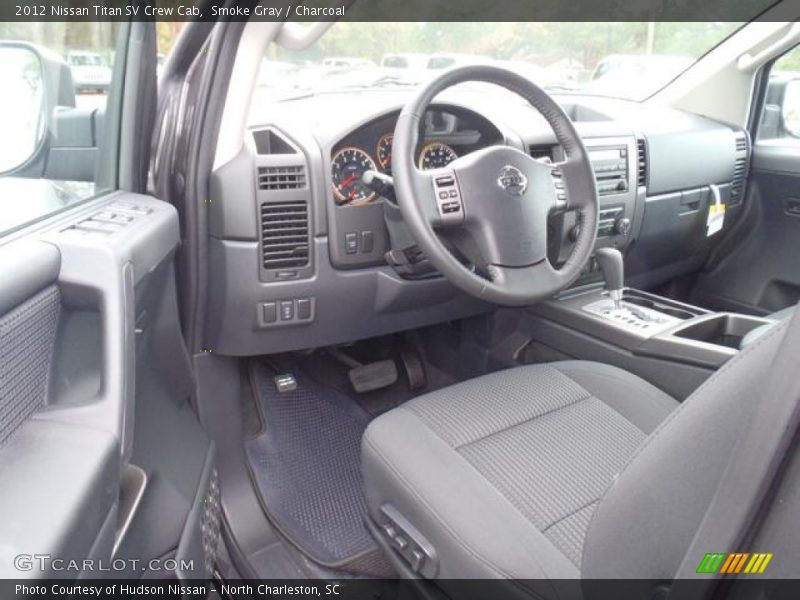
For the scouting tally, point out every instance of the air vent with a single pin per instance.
(741, 142)
(538, 152)
(281, 178)
(641, 164)
(739, 169)
(284, 234)
(739, 176)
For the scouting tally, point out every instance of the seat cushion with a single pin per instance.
(501, 474)
(784, 313)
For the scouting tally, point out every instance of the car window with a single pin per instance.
(780, 116)
(54, 115)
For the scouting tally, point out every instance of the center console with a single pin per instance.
(674, 345)
(618, 169)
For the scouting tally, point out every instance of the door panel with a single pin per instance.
(40, 455)
(761, 274)
(67, 362)
(101, 451)
(29, 307)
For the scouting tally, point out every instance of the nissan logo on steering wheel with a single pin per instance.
(512, 181)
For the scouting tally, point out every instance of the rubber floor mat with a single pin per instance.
(306, 464)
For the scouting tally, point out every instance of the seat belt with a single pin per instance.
(751, 470)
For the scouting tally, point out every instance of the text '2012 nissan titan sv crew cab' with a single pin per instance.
(382, 302)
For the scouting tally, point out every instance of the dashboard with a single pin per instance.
(449, 132)
(303, 255)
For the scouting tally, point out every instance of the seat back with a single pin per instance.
(648, 517)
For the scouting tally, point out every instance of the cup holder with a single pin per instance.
(722, 329)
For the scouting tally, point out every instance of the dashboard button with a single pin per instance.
(270, 312)
(351, 243)
(304, 308)
(287, 310)
(367, 242)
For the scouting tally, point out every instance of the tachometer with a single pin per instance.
(384, 151)
(435, 156)
(348, 165)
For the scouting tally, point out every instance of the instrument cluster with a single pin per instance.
(446, 137)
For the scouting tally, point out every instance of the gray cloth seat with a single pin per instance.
(551, 472)
(756, 333)
(782, 314)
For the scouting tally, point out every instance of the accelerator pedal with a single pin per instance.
(415, 369)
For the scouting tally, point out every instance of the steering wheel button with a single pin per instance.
(448, 198)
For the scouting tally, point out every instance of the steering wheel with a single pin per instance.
(491, 206)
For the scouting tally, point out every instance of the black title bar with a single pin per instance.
(388, 10)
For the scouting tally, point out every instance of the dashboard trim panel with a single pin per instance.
(356, 294)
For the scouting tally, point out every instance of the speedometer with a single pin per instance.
(347, 167)
(436, 156)
(384, 151)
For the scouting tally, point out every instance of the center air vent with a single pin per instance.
(281, 178)
(284, 234)
(641, 162)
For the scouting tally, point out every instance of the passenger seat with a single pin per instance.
(780, 315)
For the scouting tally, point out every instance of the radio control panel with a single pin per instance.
(611, 169)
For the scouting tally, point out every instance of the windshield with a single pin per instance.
(629, 60)
(85, 60)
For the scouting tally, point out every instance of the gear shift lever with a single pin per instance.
(610, 263)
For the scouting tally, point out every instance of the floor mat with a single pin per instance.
(306, 465)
